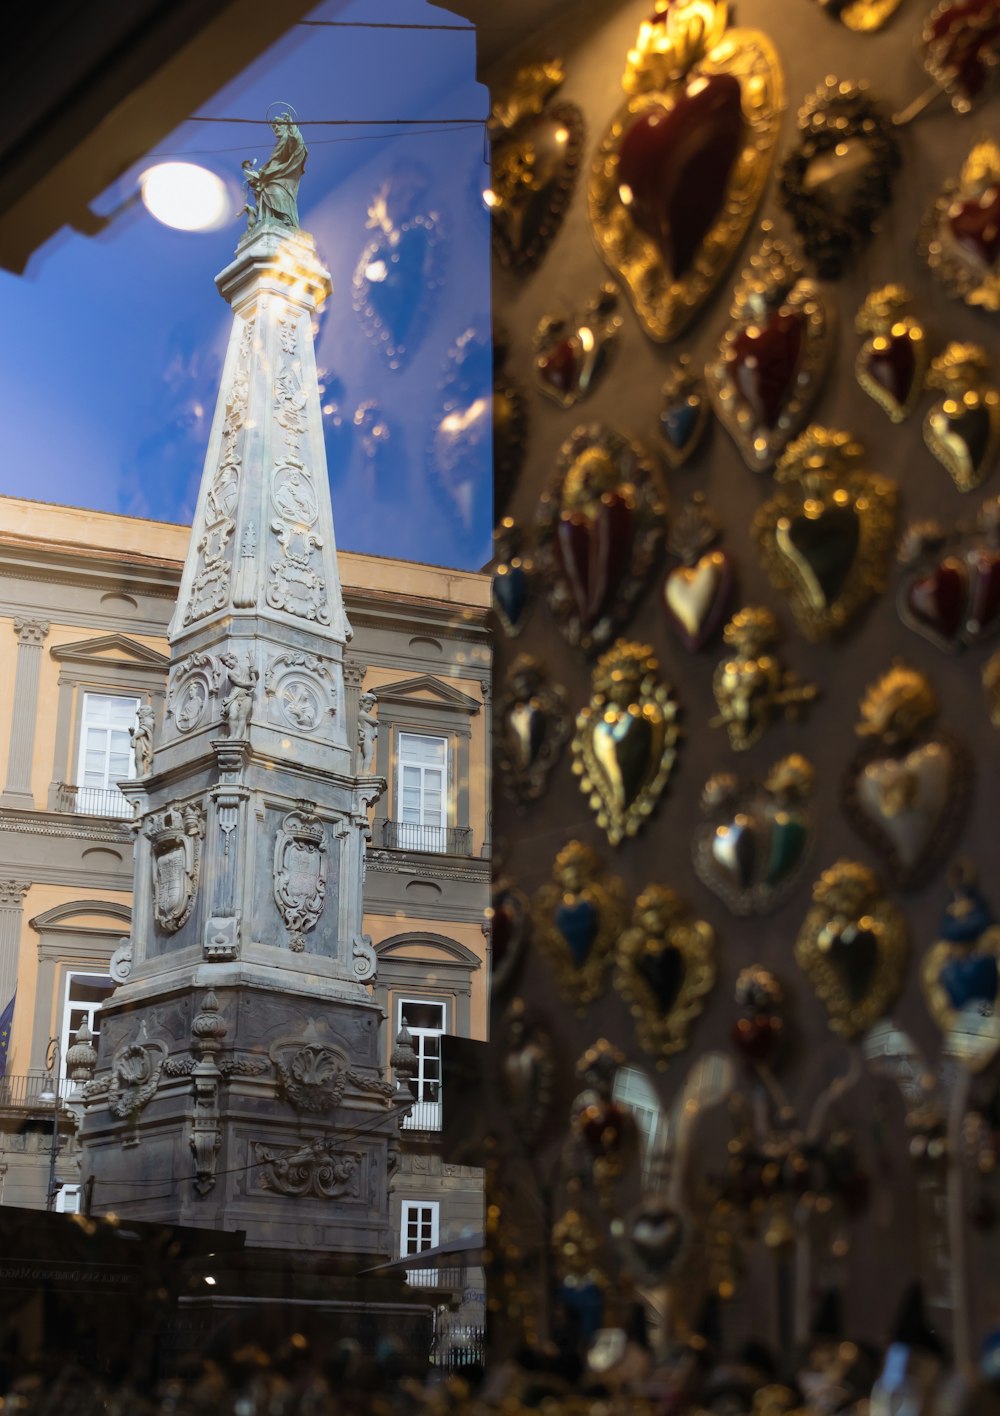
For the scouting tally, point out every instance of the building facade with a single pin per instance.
(86, 599)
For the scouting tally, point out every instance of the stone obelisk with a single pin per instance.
(239, 1082)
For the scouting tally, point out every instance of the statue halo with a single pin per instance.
(282, 109)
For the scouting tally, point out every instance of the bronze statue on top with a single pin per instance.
(272, 190)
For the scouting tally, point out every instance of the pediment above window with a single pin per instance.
(114, 650)
(425, 689)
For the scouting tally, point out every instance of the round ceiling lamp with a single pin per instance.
(185, 196)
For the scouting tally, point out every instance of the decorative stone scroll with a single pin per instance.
(294, 584)
(194, 686)
(210, 588)
(300, 690)
(312, 1075)
(175, 837)
(120, 966)
(300, 866)
(317, 1168)
(365, 958)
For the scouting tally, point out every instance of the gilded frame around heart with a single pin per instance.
(577, 875)
(661, 920)
(820, 471)
(678, 44)
(849, 893)
(626, 679)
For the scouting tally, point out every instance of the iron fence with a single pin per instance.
(437, 840)
(94, 801)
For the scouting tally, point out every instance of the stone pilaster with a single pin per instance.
(30, 638)
(487, 690)
(354, 677)
(12, 893)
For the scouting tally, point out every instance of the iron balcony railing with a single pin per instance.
(26, 1092)
(438, 1277)
(440, 840)
(423, 1116)
(94, 801)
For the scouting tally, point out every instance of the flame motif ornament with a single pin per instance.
(665, 967)
(751, 686)
(571, 354)
(962, 430)
(684, 412)
(773, 356)
(960, 973)
(758, 1030)
(754, 847)
(512, 574)
(534, 727)
(838, 178)
(536, 155)
(960, 235)
(626, 739)
(852, 947)
(826, 537)
(401, 269)
(862, 16)
(599, 527)
(577, 919)
(952, 595)
(680, 171)
(892, 363)
(907, 792)
(697, 592)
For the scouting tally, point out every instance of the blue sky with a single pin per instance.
(115, 344)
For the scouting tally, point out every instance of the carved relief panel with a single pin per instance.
(301, 692)
(192, 692)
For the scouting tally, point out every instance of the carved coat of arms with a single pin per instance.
(300, 865)
(175, 841)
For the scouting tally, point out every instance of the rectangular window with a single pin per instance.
(418, 1230)
(422, 792)
(68, 1199)
(426, 1022)
(84, 995)
(105, 754)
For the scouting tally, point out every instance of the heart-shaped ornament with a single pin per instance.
(511, 582)
(696, 593)
(907, 793)
(960, 40)
(838, 177)
(960, 974)
(679, 172)
(772, 356)
(600, 527)
(756, 841)
(665, 967)
(952, 594)
(578, 917)
(400, 270)
(536, 148)
(960, 235)
(571, 355)
(460, 446)
(962, 430)
(826, 537)
(534, 725)
(684, 412)
(656, 1238)
(892, 362)
(626, 739)
(852, 947)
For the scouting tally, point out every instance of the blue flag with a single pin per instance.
(6, 1023)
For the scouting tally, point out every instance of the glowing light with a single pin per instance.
(490, 197)
(210, 1280)
(185, 196)
(562, 135)
(376, 271)
(625, 194)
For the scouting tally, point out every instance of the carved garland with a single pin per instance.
(135, 1075)
(294, 584)
(210, 588)
(314, 1079)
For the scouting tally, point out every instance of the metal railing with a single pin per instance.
(437, 1277)
(423, 1116)
(439, 840)
(94, 801)
(458, 1345)
(26, 1092)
